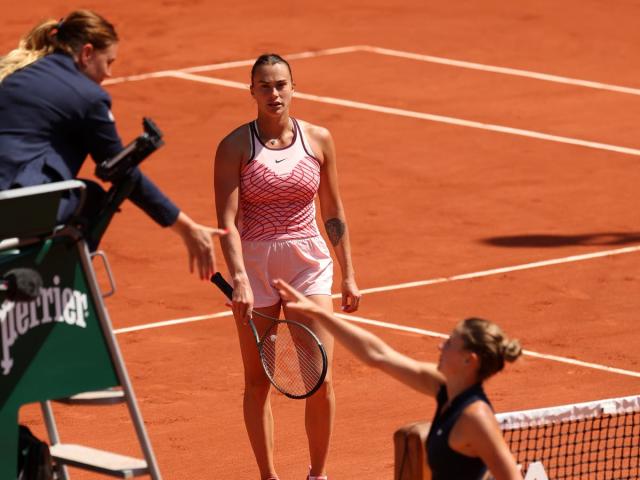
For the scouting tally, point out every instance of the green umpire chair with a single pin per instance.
(58, 345)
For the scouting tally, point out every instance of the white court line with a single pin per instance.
(226, 65)
(168, 323)
(485, 273)
(418, 115)
(210, 80)
(513, 268)
(293, 56)
(134, 78)
(429, 333)
(185, 74)
(504, 70)
(421, 283)
(395, 53)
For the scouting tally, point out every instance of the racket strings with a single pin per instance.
(292, 358)
(294, 361)
(295, 379)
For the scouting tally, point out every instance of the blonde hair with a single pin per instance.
(67, 35)
(488, 341)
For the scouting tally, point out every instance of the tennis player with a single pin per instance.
(465, 439)
(54, 113)
(267, 175)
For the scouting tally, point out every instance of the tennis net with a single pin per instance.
(597, 440)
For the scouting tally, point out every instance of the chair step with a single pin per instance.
(99, 397)
(99, 461)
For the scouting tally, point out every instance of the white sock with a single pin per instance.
(320, 477)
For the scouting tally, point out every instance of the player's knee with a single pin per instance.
(325, 391)
(327, 387)
(256, 387)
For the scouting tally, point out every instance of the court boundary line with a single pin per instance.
(419, 115)
(512, 268)
(531, 353)
(431, 333)
(517, 72)
(170, 323)
(189, 74)
(231, 64)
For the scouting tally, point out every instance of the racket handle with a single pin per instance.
(222, 284)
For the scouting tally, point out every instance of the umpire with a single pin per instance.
(54, 113)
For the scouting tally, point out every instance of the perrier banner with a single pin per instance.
(52, 346)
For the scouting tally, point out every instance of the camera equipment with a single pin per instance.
(21, 284)
(120, 166)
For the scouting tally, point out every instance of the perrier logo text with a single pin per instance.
(54, 304)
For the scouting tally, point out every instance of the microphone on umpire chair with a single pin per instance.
(21, 284)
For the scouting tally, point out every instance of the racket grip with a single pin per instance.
(222, 284)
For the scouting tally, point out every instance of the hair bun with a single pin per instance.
(511, 350)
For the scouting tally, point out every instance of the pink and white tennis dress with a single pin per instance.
(280, 237)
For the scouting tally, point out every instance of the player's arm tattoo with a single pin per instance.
(335, 230)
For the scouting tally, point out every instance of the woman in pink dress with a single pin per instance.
(267, 175)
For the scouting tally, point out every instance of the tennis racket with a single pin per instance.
(292, 356)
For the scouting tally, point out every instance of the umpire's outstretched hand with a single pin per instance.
(198, 240)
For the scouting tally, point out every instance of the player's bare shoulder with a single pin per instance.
(478, 416)
(320, 139)
(315, 133)
(235, 146)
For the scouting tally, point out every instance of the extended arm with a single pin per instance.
(197, 240)
(104, 141)
(370, 349)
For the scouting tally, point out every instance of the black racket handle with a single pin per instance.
(222, 284)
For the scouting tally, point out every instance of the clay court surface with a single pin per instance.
(426, 198)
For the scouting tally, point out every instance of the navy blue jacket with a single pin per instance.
(52, 117)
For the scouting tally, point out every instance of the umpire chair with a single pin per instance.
(59, 346)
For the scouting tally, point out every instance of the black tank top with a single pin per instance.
(445, 463)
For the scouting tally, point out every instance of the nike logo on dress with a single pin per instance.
(281, 160)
